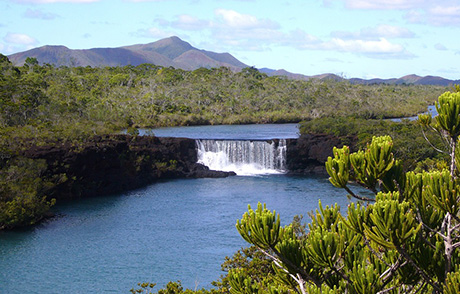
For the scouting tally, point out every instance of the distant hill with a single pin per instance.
(409, 79)
(166, 52)
(177, 53)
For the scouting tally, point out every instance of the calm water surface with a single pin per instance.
(175, 230)
(234, 132)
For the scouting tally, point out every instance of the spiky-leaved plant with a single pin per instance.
(404, 239)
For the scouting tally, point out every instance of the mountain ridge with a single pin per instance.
(177, 53)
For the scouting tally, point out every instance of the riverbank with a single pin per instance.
(111, 164)
(308, 154)
(115, 163)
(35, 176)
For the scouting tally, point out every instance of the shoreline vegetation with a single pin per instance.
(55, 120)
(47, 106)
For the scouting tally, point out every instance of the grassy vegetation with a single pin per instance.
(410, 145)
(42, 101)
(45, 105)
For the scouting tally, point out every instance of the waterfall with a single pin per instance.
(243, 157)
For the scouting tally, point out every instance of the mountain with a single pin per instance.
(409, 79)
(177, 53)
(166, 52)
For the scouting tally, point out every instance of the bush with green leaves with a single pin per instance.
(22, 188)
(404, 239)
(410, 145)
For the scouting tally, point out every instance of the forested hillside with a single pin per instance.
(68, 101)
(43, 105)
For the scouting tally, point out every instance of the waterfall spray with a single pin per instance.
(243, 157)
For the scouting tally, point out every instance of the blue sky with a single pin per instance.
(351, 38)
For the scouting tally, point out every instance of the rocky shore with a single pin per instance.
(116, 163)
(308, 154)
(112, 164)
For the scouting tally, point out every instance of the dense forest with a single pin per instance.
(47, 105)
(43, 101)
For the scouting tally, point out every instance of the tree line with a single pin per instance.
(47, 101)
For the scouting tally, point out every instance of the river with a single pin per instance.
(171, 230)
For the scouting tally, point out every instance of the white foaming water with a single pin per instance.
(245, 158)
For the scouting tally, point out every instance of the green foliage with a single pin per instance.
(144, 288)
(410, 146)
(452, 285)
(100, 100)
(240, 283)
(260, 227)
(339, 166)
(171, 288)
(393, 222)
(448, 108)
(379, 247)
(22, 187)
(256, 266)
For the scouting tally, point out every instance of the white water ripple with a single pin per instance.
(245, 158)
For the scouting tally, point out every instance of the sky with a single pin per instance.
(350, 38)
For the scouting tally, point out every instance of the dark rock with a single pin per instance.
(201, 171)
(112, 164)
(308, 154)
(116, 163)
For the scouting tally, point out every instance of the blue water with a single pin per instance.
(430, 110)
(174, 230)
(234, 132)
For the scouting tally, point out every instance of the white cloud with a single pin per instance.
(241, 31)
(154, 32)
(384, 4)
(245, 32)
(388, 31)
(233, 19)
(7, 49)
(444, 15)
(355, 43)
(375, 33)
(17, 42)
(362, 46)
(447, 11)
(36, 13)
(143, 0)
(433, 12)
(300, 40)
(380, 48)
(53, 1)
(188, 22)
(21, 39)
(436, 15)
(440, 47)
(258, 39)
